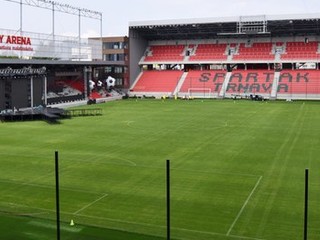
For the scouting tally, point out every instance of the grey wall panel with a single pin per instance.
(37, 91)
(2, 99)
(138, 46)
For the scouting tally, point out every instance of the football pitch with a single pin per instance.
(237, 172)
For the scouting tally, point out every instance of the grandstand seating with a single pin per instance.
(251, 82)
(298, 84)
(95, 95)
(255, 51)
(158, 81)
(209, 52)
(203, 82)
(301, 82)
(301, 50)
(76, 84)
(165, 53)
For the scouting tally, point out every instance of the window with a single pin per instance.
(119, 81)
(108, 69)
(115, 45)
(115, 57)
(118, 70)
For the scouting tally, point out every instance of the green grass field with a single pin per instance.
(237, 172)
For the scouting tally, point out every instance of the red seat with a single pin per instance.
(165, 53)
(251, 81)
(158, 81)
(257, 51)
(210, 52)
(301, 50)
(299, 82)
(203, 80)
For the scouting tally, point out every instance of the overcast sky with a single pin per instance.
(117, 14)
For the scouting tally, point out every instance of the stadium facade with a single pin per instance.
(274, 56)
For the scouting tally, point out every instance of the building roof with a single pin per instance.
(14, 61)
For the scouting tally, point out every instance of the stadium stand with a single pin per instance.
(157, 81)
(76, 84)
(165, 53)
(272, 58)
(95, 95)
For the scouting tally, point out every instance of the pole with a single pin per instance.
(45, 90)
(306, 205)
(53, 20)
(57, 194)
(21, 6)
(79, 32)
(31, 91)
(168, 199)
(101, 26)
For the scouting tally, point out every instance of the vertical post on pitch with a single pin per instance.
(57, 194)
(168, 199)
(306, 193)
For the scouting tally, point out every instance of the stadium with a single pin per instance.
(215, 138)
(273, 56)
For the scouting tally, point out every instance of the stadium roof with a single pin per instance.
(222, 27)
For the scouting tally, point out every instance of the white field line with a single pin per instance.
(200, 171)
(243, 207)
(90, 204)
(173, 228)
(142, 224)
(47, 186)
(100, 161)
(215, 172)
(241, 237)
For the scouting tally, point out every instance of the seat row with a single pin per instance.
(233, 51)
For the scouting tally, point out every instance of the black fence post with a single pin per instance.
(57, 194)
(306, 193)
(168, 199)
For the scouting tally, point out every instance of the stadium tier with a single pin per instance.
(292, 84)
(233, 52)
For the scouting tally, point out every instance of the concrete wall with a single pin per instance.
(137, 46)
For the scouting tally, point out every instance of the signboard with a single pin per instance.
(29, 45)
(13, 42)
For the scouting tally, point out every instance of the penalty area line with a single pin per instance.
(90, 204)
(243, 206)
